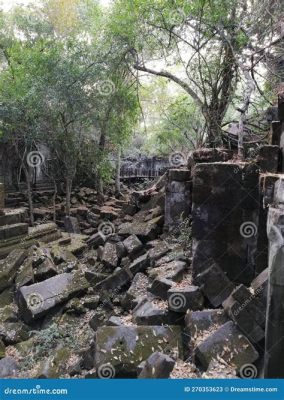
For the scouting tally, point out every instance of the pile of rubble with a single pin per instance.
(119, 297)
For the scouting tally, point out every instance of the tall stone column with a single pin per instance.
(274, 343)
(178, 198)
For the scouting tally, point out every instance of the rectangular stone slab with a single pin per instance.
(36, 300)
(9, 231)
(123, 348)
(229, 344)
(9, 267)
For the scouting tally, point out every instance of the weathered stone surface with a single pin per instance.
(238, 312)
(229, 344)
(177, 200)
(2, 349)
(185, 298)
(124, 348)
(248, 300)
(71, 225)
(137, 290)
(215, 285)
(12, 217)
(8, 368)
(160, 287)
(179, 175)
(54, 365)
(96, 240)
(225, 218)
(144, 230)
(158, 365)
(9, 231)
(124, 275)
(260, 286)
(13, 332)
(149, 313)
(115, 321)
(206, 155)
(173, 270)
(133, 245)
(25, 274)
(9, 267)
(196, 322)
(110, 257)
(268, 158)
(36, 300)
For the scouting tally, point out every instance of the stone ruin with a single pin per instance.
(121, 290)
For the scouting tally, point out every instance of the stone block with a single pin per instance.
(215, 285)
(120, 350)
(9, 268)
(37, 300)
(185, 298)
(229, 344)
(158, 365)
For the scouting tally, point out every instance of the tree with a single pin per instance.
(203, 45)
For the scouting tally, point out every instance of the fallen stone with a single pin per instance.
(121, 277)
(9, 267)
(96, 240)
(8, 368)
(114, 321)
(119, 350)
(173, 270)
(13, 332)
(133, 245)
(2, 349)
(229, 344)
(137, 290)
(215, 285)
(244, 320)
(145, 231)
(149, 313)
(197, 322)
(110, 256)
(160, 287)
(36, 300)
(71, 225)
(185, 298)
(25, 274)
(251, 303)
(9, 231)
(158, 365)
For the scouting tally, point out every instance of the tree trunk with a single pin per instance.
(29, 193)
(54, 200)
(68, 195)
(117, 176)
(250, 86)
